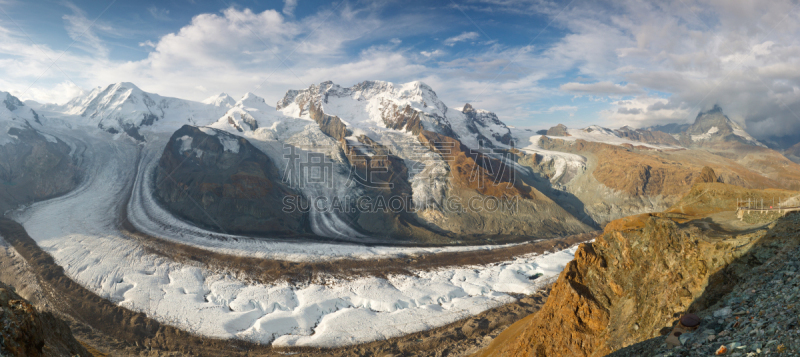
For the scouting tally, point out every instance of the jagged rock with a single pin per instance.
(647, 136)
(714, 126)
(643, 270)
(706, 176)
(34, 167)
(558, 130)
(26, 332)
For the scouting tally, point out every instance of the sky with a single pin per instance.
(535, 63)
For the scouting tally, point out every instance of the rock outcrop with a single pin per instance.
(558, 130)
(793, 153)
(635, 278)
(34, 167)
(707, 175)
(26, 332)
(647, 136)
(207, 173)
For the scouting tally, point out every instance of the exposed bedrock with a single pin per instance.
(641, 272)
(35, 167)
(618, 181)
(477, 181)
(27, 332)
(222, 182)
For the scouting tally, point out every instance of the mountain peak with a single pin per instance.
(119, 86)
(250, 97)
(713, 117)
(220, 100)
(713, 124)
(715, 109)
(467, 108)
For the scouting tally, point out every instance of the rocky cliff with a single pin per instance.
(209, 173)
(641, 273)
(34, 166)
(793, 153)
(26, 332)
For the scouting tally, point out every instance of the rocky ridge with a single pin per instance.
(643, 272)
(758, 318)
(27, 332)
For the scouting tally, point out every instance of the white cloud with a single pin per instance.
(82, 31)
(158, 13)
(466, 36)
(434, 53)
(644, 111)
(688, 55)
(601, 88)
(289, 6)
(60, 93)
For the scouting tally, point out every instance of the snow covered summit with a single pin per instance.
(220, 100)
(15, 114)
(714, 125)
(123, 106)
(409, 107)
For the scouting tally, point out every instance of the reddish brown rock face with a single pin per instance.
(26, 332)
(473, 170)
(641, 271)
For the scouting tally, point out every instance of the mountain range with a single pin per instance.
(412, 148)
(385, 141)
(366, 207)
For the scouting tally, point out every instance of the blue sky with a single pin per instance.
(534, 62)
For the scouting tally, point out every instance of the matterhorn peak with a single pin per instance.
(713, 124)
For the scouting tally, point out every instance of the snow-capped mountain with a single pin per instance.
(622, 136)
(220, 100)
(123, 106)
(248, 114)
(15, 114)
(14, 109)
(714, 125)
(409, 107)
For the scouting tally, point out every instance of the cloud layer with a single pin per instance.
(609, 62)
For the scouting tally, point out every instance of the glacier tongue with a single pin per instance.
(80, 231)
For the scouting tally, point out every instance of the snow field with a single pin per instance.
(80, 231)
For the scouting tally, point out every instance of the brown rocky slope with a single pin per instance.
(639, 274)
(24, 331)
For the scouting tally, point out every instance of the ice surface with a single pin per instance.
(599, 134)
(80, 231)
(706, 135)
(566, 164)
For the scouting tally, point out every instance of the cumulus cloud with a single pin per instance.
(466, 36)
(667, 60)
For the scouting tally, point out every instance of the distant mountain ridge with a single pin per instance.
(583, 177)
(123, 107)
